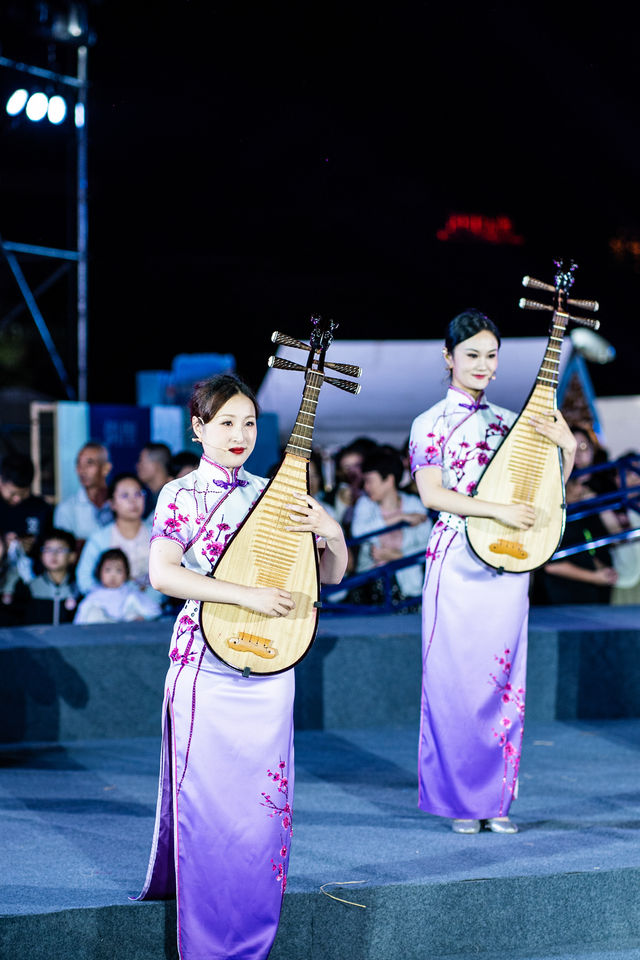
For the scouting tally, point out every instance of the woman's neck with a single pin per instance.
(128, 528)
(466, 392)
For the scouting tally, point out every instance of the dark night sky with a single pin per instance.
(253, 164)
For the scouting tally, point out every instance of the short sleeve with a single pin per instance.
(426, 440)
(174, 516)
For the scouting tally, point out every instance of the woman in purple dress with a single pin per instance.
(223, 820)
(474, 620)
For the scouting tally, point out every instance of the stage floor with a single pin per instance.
(77, 818)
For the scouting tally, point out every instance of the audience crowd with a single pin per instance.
(86, 559)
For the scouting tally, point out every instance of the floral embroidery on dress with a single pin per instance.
(174, 524)
(201, 515)
(281, 808)
(514, 699)
(458, 436)
(465, 454)
(185, 625)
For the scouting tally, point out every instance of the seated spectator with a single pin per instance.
(183, 463)
(587, 576)
(153, 472)
(316, 482)
(23, 515)
(626, 554)
(88, 509)
(348, 479)
(128, 532)
(9, 578)
(52, 596)
(117, 599)
(383, 505)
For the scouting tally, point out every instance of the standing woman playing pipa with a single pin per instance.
(223, 820)
(474, 619)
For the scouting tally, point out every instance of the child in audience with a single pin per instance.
(117, 598)
(53, 595)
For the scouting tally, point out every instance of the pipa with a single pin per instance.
(527, 467)
(263, 553)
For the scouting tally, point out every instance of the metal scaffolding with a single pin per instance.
(10, 250)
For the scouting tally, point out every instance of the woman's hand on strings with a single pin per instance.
(309, 516)
(554, 426)
(518, 515)
(270, 601)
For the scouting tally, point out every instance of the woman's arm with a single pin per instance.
(602, 576)
(169, 576)
(436, 497)
(311, 516)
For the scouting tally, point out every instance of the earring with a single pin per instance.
(493, 377)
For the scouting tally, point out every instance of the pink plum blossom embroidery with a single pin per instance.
(513, 699)
(174, 524)
(185, 626)
(280, 807)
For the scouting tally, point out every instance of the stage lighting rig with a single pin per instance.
(37, 106)
(64, 23)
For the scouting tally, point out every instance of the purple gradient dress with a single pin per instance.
(223, 820)
(474, 631)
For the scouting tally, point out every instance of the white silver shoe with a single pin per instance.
(465, 826)
(501, 825)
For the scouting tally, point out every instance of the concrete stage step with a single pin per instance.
(77, 822)
(69, 683)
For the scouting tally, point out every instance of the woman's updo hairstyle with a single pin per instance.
(211, 394)
(466, 325)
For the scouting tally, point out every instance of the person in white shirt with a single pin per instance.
(88, 509)
(383, 505)
(128, 531)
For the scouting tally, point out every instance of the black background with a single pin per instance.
(253, 164)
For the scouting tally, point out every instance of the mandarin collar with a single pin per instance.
(226, 478)
(457, 398)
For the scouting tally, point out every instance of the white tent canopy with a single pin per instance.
(400, 379)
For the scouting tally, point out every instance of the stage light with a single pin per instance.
(37, 105)
(57, 109)
(16, 102)
(79, 115)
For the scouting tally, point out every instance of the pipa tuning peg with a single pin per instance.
(525, 304)
(347, 385)
(287, 341)
(586, 322)
(279, 363)
(592, 305)
(349, 369)
(537, 284)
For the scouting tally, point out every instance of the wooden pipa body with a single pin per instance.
(527, 467)
(263, 553)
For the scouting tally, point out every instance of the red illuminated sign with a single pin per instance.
(473, 226)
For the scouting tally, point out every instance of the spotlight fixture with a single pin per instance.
(17, 102)
(57, 109)
(36, 108)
